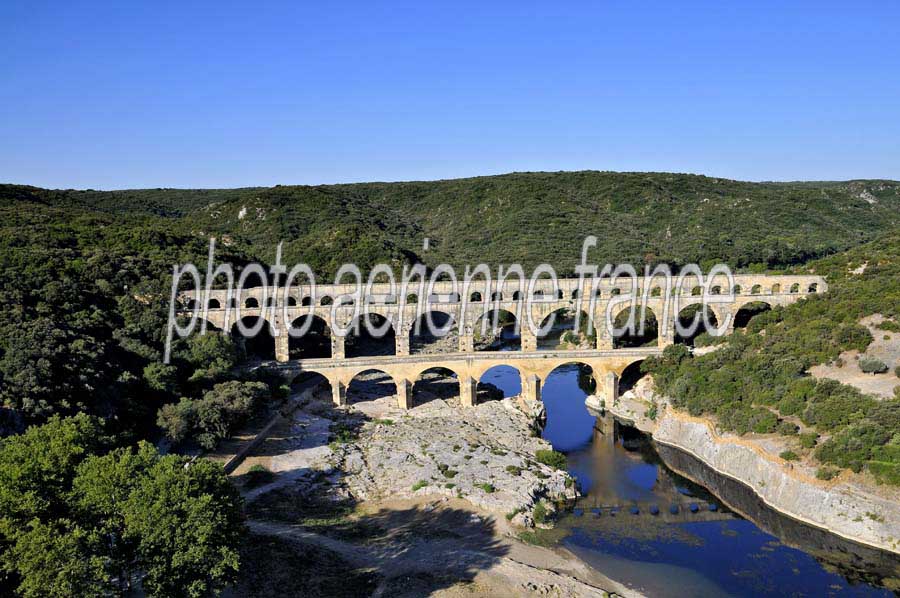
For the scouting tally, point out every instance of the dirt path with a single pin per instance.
(484, 560)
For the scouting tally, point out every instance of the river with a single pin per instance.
(710, 552)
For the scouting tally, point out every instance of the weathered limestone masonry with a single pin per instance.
(338, 305)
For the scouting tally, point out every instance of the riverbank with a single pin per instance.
(431, 500)
(845, 506)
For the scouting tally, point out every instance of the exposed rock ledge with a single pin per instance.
(841, 507)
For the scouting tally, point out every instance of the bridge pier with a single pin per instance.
(283, 346)
(528, 338)
(604, 339)
(608, 387)
(339, 393)
(468, 391)
(337, 346)
(401, 342)
(531, 387)
(404, 393)
(466, 342)
(666, 337)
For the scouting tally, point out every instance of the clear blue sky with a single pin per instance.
(220, 94)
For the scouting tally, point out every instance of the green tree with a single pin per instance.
(187, 523)
(56, 559)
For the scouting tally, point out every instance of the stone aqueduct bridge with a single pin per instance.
(338, 305)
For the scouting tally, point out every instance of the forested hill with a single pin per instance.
(523, 217)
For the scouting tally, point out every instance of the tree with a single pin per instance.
(37, 467)
(78, 519)
(870, 365)
(56, 559)
(188, 523)
(100, 491)
(214, 416)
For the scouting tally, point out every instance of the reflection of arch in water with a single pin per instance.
(496, 330)
(569, 425)
(748, 312)
(314, 343)
(503, 378)
(370, 335)
(434, 331)
(370, 385)
(434, 383)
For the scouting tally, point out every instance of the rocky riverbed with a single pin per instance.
(430, 500)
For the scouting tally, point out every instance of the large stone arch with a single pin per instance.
(442, 337)
(198, 326)
(369, 385)
(315, 343)
(686, 316)
(495, 330)
(748, 311)
(565, 323)
(487, 381)
(365, 338)
(311, 379)
(587, 380)
(434, 382)
(261, 345)
(629, 376)
(644, 330)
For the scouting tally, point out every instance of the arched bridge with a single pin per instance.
(338, 306)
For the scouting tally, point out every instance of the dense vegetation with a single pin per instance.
(757, 381)
(85, 281)
(84, 510)
(79, 517)
(526, 218)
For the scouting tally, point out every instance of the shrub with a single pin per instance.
(540, 512)
(885, 473)
(808, 439)
(513, 513)
(487, 487)
(870, 365)
(827, 473)
(889, 325)
(786, 428)
(213, 417)
(705, 339)
(419, 485)
(789, 455)
(513, 469)
(446, 471)
(897, 371)
(551, 458)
